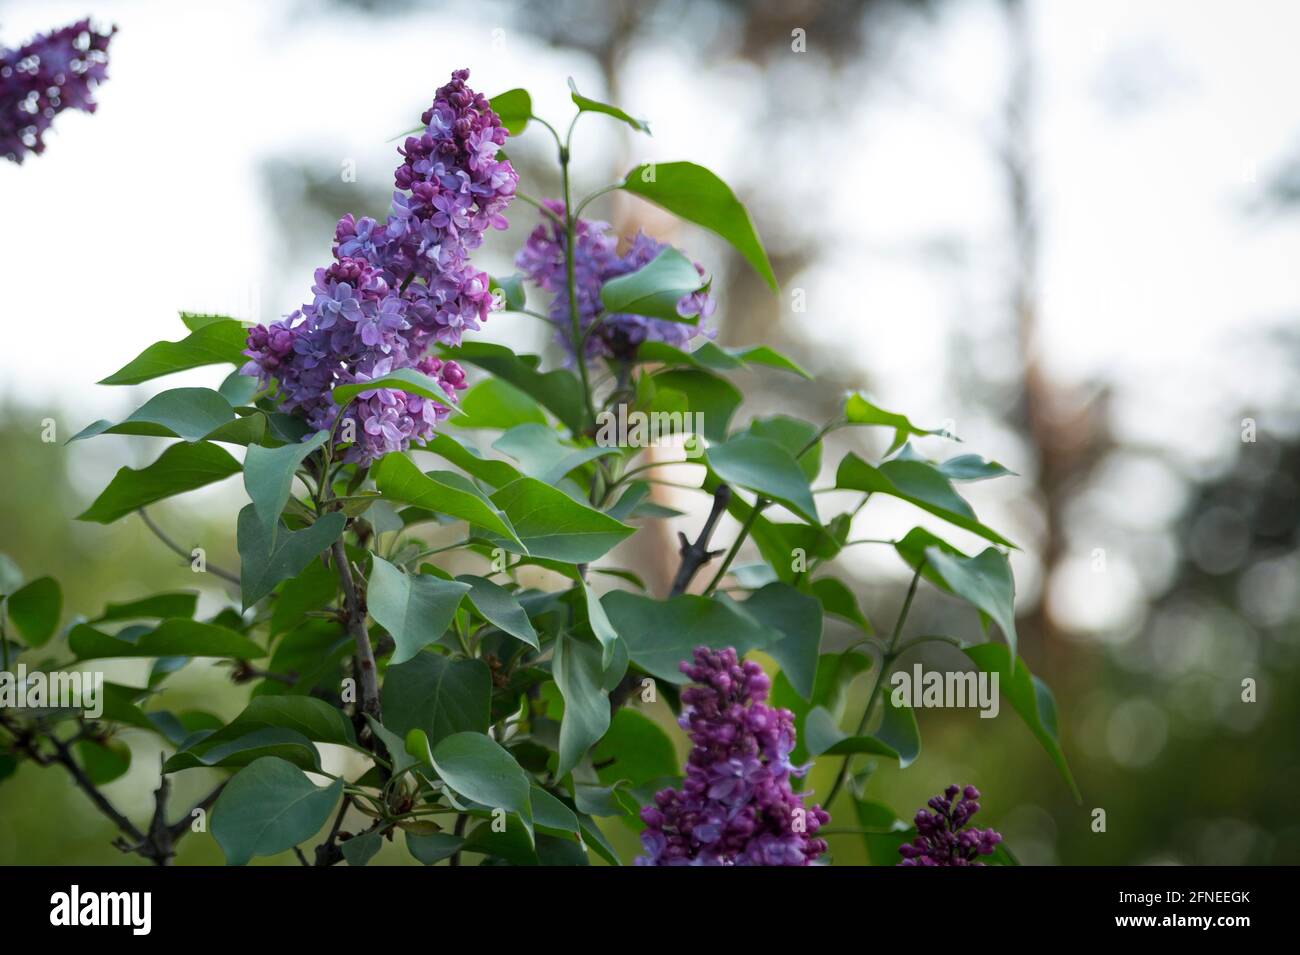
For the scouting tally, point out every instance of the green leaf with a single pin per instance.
(493, 403)
(219, 341)
(312, 589)
(578, 673)
(103, 762)
(415, 609)
(469, 460)
(983, 580)
(711, 357)
(180, 468)
(838, 600)
(266, 558)
(511, 287)
(1030, 697)
(157, 606)
(408, 380)
(587, 105)
(398, 478)
(314, 719)
(798, 618)
(361, 849)
(768, 469)
(439, 696)
(542, 454)
(697, 392)
(238, 389)
(550, 813)
(514, 108)
(178, 637)
(188, 413)
(964, 467)
(636, 749)
(655, 288)
(553, 525)
(796, 436)
(480, 770)
(269, 473)
(898, 730)
(660, 634)
(499, 607)
(835, 674)
(697, 195)
(858, 410)
(884, 832)
(823, 737)
(240, 750)
(769, 357)
(559, 391)
(433, 847)
(35, 608)
(268, 807)
(918, 484)
(600, 624)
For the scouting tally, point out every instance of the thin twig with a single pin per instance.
(886, 662)
(182, 552)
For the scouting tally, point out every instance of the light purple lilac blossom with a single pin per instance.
(397, 287)
(942, 837)
(52, 72)
(595, 261)
(736, 806)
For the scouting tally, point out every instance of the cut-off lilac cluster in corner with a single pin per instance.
(736, 805)
(942, 836)
(397, 287)
(596, 260)
(40, 79)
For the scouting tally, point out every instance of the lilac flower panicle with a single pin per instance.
(397, 287)
(595, 261)
(736, 805)
(942, 835)
(50, 73)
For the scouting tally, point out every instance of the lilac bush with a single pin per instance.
(50, 73)
(489, 713)
(736, 806)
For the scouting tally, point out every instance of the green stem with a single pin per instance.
(886, 663)
(735, 547)
(570, 240)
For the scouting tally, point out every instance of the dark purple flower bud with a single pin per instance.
(941, 836)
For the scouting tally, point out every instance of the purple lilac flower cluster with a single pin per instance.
(397, 287)
(735, 806)
(53, 72)
(942, 838)
(595, 261)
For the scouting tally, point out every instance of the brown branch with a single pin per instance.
(158, 844)
(693, 557)
(696, 555)
(356, 624)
